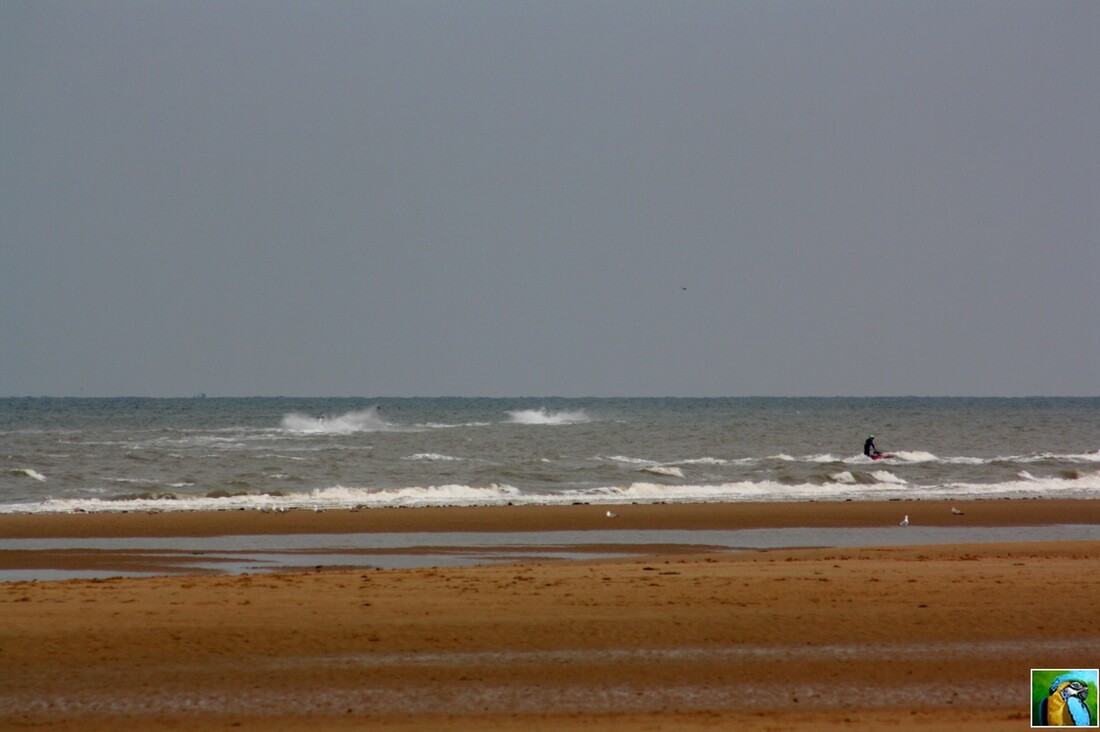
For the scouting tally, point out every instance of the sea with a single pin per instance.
(64, 455)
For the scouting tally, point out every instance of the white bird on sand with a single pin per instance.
(957, 512)
(612, 514)
(904, 521)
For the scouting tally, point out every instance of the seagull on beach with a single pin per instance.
(612, 514)
(904, 521)
(956, 512)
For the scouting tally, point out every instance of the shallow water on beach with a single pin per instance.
(63, 455)
(409, 550)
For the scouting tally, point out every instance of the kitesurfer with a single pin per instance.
(869, 448)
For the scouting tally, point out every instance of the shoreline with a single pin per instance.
(575, 517)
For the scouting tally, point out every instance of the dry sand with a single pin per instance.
(936, 637)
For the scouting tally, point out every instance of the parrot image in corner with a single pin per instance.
(1065, 707)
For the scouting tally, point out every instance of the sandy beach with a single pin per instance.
(925, 637)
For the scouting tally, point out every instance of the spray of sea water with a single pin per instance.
(366, 420)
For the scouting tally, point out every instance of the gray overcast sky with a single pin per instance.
(508, 198)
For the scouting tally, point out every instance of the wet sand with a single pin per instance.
(934, 637)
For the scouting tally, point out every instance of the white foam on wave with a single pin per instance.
(627, 460)
(212, 442)
(879, 483)
(725, 492)
(842, 486)
(664, 470)
(963, 460)
(1083, 486)
(432, 457)
(885, 476)
(914, 456)
(923, 456)
(901, 456)
(545, 416)
(29, 473)
(436, 495)
(336, 497)
(819, 458)
(366, 420)
(889, 488)
(1084, 457)
(447, 426)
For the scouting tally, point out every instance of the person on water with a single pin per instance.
(869, 448)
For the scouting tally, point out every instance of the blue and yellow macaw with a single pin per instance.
(1065, 707)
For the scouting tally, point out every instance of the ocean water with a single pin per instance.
(126, 454)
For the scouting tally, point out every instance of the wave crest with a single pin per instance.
(367, 420)
(664, 470)
(544, 416)
(841, 486)
(29, 473)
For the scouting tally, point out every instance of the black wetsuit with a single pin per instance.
(869, 447)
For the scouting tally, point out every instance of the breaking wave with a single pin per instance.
(545, 416)
(627, 460)
(880, 485)
(664, 470)
(367, 420)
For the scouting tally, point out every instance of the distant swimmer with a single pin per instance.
(869, 448)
